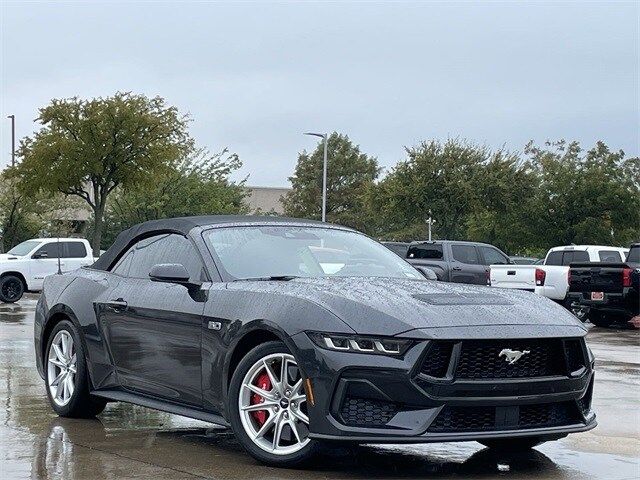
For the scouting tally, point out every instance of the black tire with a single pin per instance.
(81, 404)
(601, 320)
(11, 289)
(512, 444)
(259, 352)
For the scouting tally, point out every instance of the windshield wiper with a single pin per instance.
(280, 278)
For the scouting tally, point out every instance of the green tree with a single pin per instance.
(88, 148)
(350, 174)
(435, 176)
(198, 185)
(505, 190)
(24, 216)
(585, 197)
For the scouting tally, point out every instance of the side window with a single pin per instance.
(465, 254)
(50, 250)
(168, 248)
(123, 265)
(493, 256)
(73, 250)
(554, 258)
(611, 256)
(427, 251)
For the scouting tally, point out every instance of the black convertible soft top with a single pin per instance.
(181, 225)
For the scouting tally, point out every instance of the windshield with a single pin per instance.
(23, 248)
(634, 255)
(287, 251)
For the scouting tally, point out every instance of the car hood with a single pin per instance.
(388, 306)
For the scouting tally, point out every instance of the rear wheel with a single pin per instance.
(512, 444)
(268, 406)
(66, 374)
(11, 289)
(601, 320)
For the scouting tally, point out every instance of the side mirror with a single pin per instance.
(172, 273)
(427, 273)
(37, 256)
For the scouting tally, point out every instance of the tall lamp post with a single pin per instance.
(13, 139)
(324, 174)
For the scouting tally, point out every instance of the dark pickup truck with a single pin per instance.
(454, 261)
(610, 292)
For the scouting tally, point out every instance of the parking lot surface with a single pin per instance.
(130, 442)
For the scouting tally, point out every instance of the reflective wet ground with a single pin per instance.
(134, 442)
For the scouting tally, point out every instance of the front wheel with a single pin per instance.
(66, 374)
(11, 289)
(512, 444)
(268, 406)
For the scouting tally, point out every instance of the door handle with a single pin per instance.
(117, 305)
(457, 269)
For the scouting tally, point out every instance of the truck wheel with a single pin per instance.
(600, 320)
(11, 289)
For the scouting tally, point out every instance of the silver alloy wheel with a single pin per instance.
(62, 368)
(285, 428)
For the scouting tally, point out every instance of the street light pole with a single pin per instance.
(324, 174)
(430, 222)
(13, 139)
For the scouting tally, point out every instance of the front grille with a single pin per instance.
(488, 359)
(436, 361)
(366, 412)
(463, 419)
(483, 419)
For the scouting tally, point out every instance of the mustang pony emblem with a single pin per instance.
(512, 356)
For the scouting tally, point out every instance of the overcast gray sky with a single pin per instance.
(254, 76)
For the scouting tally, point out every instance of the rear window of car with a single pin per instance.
(554, 258)
(574, 257)
(611, 256)
(634, 255)
(432, 251)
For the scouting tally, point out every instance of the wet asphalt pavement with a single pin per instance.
(134, 442)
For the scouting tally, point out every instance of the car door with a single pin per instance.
(154, 329)
(466, 265)
(44, 262)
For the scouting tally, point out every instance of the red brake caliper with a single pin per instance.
(264, 383)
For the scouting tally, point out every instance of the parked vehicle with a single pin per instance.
(234, 320)
(608, 291)
(458, 262)
(399, 248)
(551, 278)
(24, 267)
(523, 260)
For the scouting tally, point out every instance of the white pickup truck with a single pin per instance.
(23, 268)
(551, 279)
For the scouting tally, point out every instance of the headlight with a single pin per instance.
(358, 344)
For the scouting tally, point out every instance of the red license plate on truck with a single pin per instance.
(597, 296)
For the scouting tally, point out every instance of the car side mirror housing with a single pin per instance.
(427, 272)
(172, 273)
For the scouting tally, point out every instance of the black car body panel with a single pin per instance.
(170, 347)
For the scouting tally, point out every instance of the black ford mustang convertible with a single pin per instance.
(296, 333)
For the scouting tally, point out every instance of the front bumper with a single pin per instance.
(626, 303)
(384, 399)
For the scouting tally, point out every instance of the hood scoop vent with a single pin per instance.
(461, 299)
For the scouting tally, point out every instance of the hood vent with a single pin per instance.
(462, 299)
